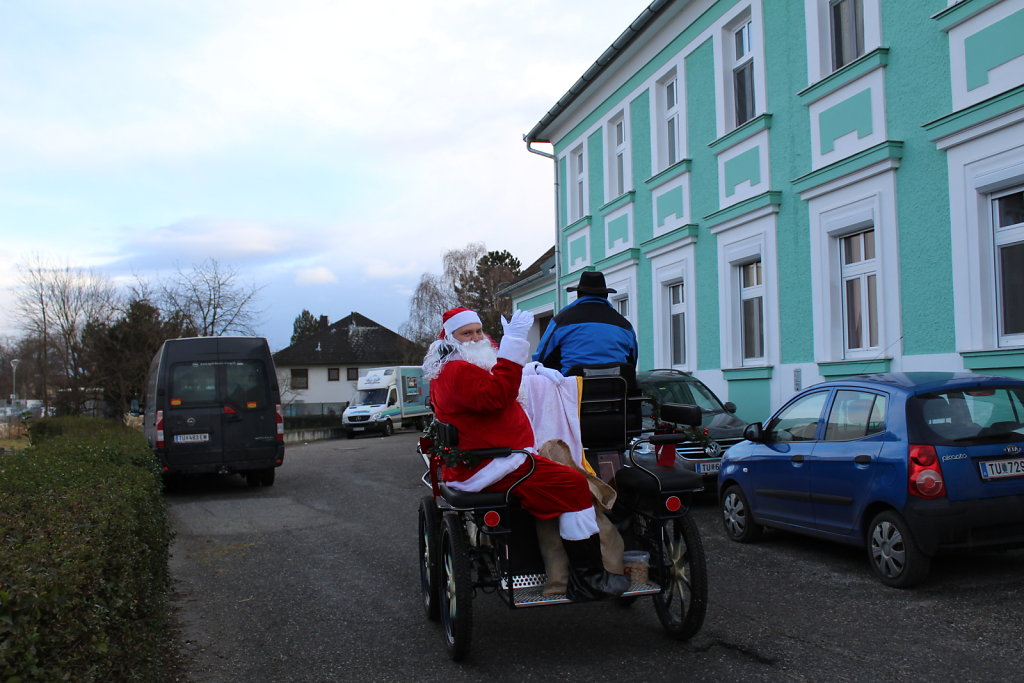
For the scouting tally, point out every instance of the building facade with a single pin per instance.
(786, 191)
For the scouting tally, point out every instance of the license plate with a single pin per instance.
(707, 467)
(358, 429)
(191, 438)
(999, 469)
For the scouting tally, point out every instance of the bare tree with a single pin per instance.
(212, 298)
(436, 294)
(55, 305)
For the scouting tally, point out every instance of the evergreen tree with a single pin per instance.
(305, 326)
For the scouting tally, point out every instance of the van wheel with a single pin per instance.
(267, 476)
(252, 479)
(388, 429)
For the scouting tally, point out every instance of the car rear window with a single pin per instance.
(245, 384)
(193, 384)
(979, 414)
(242, 384)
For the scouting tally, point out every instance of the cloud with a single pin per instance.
(317, 275)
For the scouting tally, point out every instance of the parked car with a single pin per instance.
(907, 465)
(723, 428)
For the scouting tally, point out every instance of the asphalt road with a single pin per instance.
(316, 579)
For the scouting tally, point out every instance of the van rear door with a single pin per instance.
(192, 424)
(249, 415)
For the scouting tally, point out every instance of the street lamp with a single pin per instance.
(14, 380)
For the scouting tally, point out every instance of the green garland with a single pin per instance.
(450, 455)
(698, 435)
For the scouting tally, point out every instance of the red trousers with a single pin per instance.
(550, 490)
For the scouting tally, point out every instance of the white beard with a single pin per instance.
(480, 353)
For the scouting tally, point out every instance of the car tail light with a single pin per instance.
(492, 518)
(925, 473)
(228, 410)
(159, 429)
(279, 418)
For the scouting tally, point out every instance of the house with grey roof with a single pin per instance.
(324, 368)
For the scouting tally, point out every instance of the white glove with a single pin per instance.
(552, 374)
(518, 326)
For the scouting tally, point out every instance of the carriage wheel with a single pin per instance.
(430, 565)
(456, 589)
(683, 599)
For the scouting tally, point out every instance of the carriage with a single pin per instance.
(472, 544)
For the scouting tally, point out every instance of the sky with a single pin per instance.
(328, 151)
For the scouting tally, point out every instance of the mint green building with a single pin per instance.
(786, 191)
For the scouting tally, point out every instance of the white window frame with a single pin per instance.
(577, 185)
(617, 165)
(817, 16)
(622, 278)
(671, 264)
(668, 116)
(838, 209)
(750, 292)
(740, 243)
(676, 306)
(621, 304)
(860, 272)
(741, 37)
(1003, 236)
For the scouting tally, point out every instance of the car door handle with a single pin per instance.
(797, 458)
(862, 459)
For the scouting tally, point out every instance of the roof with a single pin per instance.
(534, 273)
(625, 39)
(355, 339)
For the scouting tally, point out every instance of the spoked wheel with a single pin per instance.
(430, 564)
(683, 576)
(456, 589)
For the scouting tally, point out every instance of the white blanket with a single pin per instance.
(551, 401)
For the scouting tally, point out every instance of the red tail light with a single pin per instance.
(228, 410)
(492, 518)
(279, 418)
(925, 474)
(159, 429)
(672, 503)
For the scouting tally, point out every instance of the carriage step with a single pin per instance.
(528, 591)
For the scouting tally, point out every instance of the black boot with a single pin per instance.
(587, 578)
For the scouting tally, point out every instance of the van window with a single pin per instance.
(246, 384)
(193, 383)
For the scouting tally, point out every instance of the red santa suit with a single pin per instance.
(482, 405)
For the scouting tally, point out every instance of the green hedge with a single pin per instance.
(84, 544)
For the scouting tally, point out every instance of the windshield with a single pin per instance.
(962, 416)
(689, 392)
(371, 396)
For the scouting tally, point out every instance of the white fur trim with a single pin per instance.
(458, 320)
(495, 470)
(514, 349)
(577, 526)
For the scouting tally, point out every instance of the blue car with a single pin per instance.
(907, 465)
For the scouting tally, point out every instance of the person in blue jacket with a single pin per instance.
(589, 331)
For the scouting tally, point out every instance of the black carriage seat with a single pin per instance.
(665, 479)
(610, 406)
(448, 436)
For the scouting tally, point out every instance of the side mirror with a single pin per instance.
(754, 432)
(680, 413)
(730, 407)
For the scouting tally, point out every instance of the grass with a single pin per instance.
(14, 444)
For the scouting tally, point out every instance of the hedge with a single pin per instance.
(84, 547)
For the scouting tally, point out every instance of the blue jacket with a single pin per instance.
(589, 331)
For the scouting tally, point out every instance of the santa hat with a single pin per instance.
(456, 318)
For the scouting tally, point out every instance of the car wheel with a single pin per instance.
(267, 476)
(252, 479)
(388, 429)
(892, 553)
(736, 516)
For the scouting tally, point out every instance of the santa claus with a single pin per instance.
(474, 387)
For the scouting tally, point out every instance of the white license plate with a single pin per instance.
(358, 429)
(191, 438)
(707, 467)
(998, 469)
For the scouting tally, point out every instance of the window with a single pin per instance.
(578, 177)
(846, 24)
(193, 383)
(799, 420)
(669, 121)
(617, 166)
(300, 378)
(622, 306)
(743, 73)
(333, 374)
(859, 273)
(677, 323)
(854, 415)
(752, 311)
(1008, 221)
(352, 374)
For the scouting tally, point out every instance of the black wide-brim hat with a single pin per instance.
(591, 282)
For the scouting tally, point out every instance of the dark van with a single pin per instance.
(213, 405)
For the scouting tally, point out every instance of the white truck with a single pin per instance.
(387, 398)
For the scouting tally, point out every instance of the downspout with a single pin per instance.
(558, 246)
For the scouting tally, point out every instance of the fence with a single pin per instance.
(298, 409)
